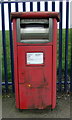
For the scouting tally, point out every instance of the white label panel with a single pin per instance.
(35, 58)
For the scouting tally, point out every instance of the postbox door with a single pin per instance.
(35, 76)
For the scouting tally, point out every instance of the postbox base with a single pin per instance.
(46, 108)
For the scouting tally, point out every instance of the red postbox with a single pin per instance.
(34, 37)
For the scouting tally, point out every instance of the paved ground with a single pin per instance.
(62, 109)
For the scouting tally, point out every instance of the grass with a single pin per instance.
(63, 49)
(63, 53)
(8, 57)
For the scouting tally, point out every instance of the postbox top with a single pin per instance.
(15, 15)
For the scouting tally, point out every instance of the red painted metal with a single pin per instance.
(35, 15)
(35, 84)
(15, 64)
(54, 64)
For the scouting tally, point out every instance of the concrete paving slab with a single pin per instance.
(62, 109)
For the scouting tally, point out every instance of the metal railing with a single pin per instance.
(61, 81)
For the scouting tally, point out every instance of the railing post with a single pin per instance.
(24, 7)
(31, 6)
(60, 48)
(11, 47)
(4, 47)
(66, 47)
(53, 6)
(38, 6)
(16, 6)
(46, 6)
